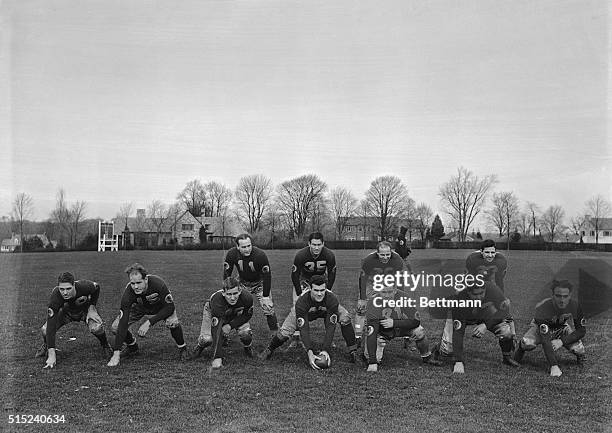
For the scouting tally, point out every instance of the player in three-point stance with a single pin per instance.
(254, 274)
(387, 321)
(381, 262)
(314, 303)
(558, 322)
(493, 315)
(315, 259)
(71, 301)
(492, 266)
(145, 296)
(228, 309)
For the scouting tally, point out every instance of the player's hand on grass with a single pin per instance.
(555, 371)
(51, 359)
(373, 367)
(226, 329)
(458, 368)
(479, 330)
(311, 360)
(386, 323)
(556, 344)
(267, 304)
(217, 363)
(144, 328)
(114, 361)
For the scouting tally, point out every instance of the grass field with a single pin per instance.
(155, 393)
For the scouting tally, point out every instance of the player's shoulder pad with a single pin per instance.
(543, 303)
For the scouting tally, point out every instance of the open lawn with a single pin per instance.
(155, 393)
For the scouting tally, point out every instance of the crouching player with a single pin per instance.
(390, 316)
(227, 309)
(558, 322)
(316, 303)
(71, 301)
(145, 296)
(493, 315)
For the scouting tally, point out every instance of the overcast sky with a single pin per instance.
(121, 101)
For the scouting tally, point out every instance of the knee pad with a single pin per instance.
(503, 331)
(43, 330)
(204, 341)
(245, 333)
(577, 348)
(527, 344)
(345, 320)
(172, 324)
(96, 328)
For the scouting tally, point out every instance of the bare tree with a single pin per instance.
(533, 211)
(552, 219)
(296, 198)
(23, 207)
(124, 213)
(342, 205)
(158, 214)
(252, 197)
(597, 208)
(496, 213)
(193, 197)
(77, 212)
(388, 200)
(320, 215)
(423, 217)
(463, 197)
(61, 215)
(577, 223)
(504, 212)
(175, 210)
(218, 198)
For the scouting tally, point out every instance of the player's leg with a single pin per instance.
(176, 330)
(286, 330)
(136, 314)
(446, 342)
(246, 338)
(267, 305)
(530, 340)
(503, 331)
(295, 338)
(577, 348)
(348, 333)
(61, 320)
(205, 338)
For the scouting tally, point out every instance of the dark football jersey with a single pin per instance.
(156, 301)
(492, 271)
(371, 265)
(252, 268)
(223, 313)
(548, 314)
(305, 265)
(404, 317)
(87, 293)
(307, 310)
(401, 247)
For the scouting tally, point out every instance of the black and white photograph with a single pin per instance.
(299, 216)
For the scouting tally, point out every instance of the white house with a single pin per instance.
(604, 229)
(9, 245)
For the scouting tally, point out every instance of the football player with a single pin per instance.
(402, 247)
(492, 266)
(315, 303)
(492, 315)
(389, 320)
(382, 261)
(71, 301)
(558, 322)
(145, 296)
(315, 259)
(253, 274)
(227, 309)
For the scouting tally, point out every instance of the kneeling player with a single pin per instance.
(71, 301)
(145, 296)
(227, 309)
(312, 304)
(558, 322)
(492, 315)
(387, 319)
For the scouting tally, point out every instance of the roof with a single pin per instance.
(148, 224)
(10, 242)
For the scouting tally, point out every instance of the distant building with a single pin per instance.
(10, 245)
(604, 229)
(360, 228)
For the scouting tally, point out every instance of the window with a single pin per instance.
(583, 232)
(606, 233)
(187, 227)
(592, 233)
(187, 240)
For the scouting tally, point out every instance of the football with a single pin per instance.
(323, 360)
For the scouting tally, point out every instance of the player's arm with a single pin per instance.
(579, 331)
(93, 291)
(217, 331)
(545, 333)
(331, 271)
(303, 325)
(122, 327)
(52, 312)
(266, 275)
(331, 319)
(362, 284)
(295, 274)
(407, 323)
(458, 336)
(228, 264)
(502, 268)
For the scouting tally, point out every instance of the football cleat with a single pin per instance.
(183, 353)
(555, 371)
(509, 361)
(248, 351)
(353, 357)
(431, 360)
(42, 351)
(129, 350)
(265, 354)
(196, 352)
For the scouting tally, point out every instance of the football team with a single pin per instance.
(380, 316)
